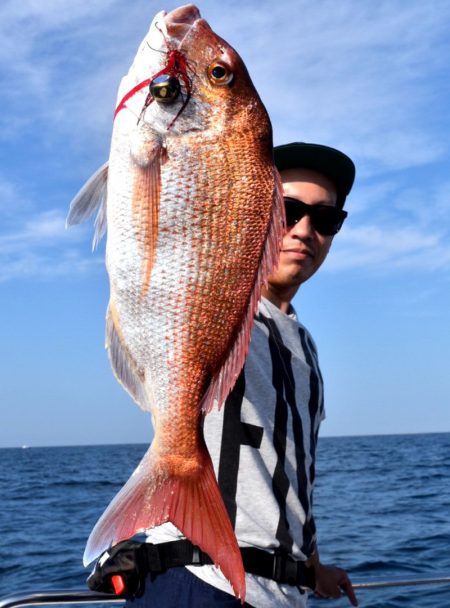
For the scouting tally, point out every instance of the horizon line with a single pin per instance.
(141, 443)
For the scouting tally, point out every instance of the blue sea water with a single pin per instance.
(382, 507)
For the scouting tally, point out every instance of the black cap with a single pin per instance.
(335, 165)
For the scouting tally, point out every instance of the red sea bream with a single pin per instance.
(193, 209)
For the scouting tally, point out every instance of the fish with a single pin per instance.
(192, 206)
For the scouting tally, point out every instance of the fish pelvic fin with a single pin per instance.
(91, 198)
(224, 380)
(190, 499)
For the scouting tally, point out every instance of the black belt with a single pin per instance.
(275, 566)
(124, 568)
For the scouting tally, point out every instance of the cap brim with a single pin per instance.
(332, 163)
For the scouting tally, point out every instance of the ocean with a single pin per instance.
(382, 508)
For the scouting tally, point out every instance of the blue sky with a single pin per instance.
(369, 78)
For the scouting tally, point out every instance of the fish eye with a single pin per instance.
(219, 74)
(165, 88)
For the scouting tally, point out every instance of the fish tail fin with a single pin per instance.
(191, 501)
(197, 509)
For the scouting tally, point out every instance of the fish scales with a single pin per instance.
(182, 271)
(195, 217)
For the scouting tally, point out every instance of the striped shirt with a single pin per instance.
(262, 443)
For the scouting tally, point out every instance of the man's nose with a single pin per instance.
(303, 228)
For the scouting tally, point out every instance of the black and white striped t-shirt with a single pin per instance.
(262, 443)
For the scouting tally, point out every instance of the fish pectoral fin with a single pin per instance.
(147, 157)
(191, 500)
(91, 198)
(145, 146)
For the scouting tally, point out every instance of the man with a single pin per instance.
(263, 441)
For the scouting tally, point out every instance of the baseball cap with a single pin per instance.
(332, 163)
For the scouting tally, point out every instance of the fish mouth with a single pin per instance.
(180, 21)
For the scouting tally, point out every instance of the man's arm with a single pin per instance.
(331, 580)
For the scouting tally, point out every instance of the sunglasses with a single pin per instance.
(325, 220)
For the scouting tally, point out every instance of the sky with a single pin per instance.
(370, 78)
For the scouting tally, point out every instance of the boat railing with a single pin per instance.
(400, 581)
(73, 596)
(78, 596)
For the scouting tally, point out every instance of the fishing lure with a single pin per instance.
(164, 86)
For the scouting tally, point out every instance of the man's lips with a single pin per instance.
(301, 253)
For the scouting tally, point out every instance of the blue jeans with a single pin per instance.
(179, 588)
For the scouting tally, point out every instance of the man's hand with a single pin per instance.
(331, 581)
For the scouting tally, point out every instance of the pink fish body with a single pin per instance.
(194, 219)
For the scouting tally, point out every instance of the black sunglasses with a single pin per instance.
(325, 220)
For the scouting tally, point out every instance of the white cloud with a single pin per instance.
(35, 265)
(12, 198)
(362, 76)
(44, 229)
(353, 74)
(386, 249)
(40, 246)
(395, 227)
(49, 51)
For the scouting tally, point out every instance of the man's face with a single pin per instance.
(304, 249)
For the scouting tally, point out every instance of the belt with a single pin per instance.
(278, 567)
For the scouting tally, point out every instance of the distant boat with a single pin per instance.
(24, 447)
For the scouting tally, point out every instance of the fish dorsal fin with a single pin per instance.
(91, 198)
(124, 367)
(224, 380)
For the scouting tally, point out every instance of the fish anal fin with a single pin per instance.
(192, 502)
(91, 198)
(224, 380)
(124, 367)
